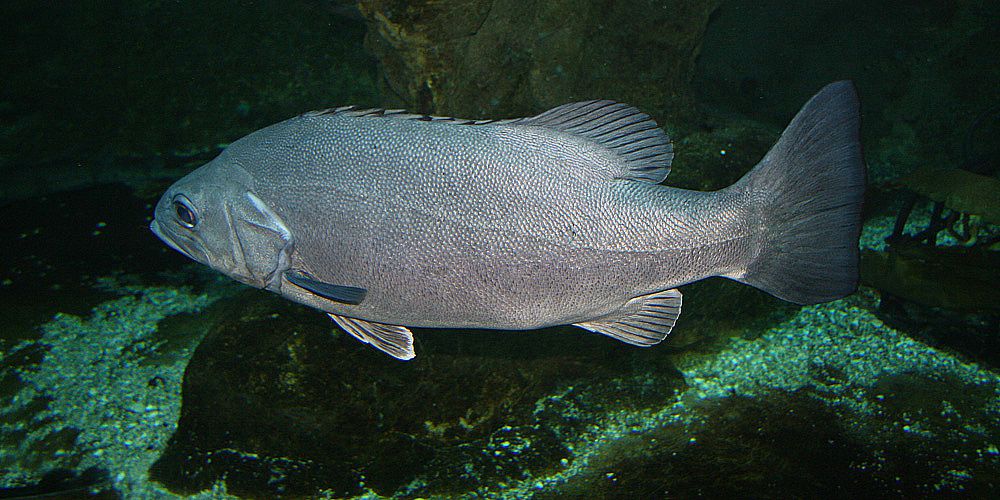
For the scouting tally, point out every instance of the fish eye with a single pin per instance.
(185, 214)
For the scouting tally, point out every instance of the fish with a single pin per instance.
(388, 220)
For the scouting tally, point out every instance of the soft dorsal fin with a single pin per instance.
(628, 132)
(642, 321)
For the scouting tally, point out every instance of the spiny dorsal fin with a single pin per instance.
(642, 321)
(401, 114)
(628, 132)
(619, 127)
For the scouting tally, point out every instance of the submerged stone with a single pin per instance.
(277, 401)
(957, 278)
(494, 59)
(959, 190)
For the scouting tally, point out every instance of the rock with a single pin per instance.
(959, 190)
(278, 401)
(503, 58)
(957, 278)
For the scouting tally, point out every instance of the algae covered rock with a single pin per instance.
(496, 58)
(278, 401)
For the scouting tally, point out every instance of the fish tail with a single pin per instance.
(806, 197)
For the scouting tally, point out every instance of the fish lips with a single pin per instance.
(154, 226)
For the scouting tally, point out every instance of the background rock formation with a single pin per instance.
(497, 58)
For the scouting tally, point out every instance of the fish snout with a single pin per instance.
(155, 228)
(171, 242)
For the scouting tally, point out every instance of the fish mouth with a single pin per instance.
(155, 228)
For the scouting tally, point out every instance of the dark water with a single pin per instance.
(129, 371)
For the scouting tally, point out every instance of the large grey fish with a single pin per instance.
(388, 220)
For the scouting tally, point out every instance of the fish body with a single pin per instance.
(387, 220)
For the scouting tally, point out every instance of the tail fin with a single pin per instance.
(807, 194)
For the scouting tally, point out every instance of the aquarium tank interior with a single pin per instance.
(134, 365)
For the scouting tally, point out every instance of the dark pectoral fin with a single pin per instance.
(339, 293)
(396, 341)
(642, 321)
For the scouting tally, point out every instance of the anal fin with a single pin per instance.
(642, 321)
(396, 341)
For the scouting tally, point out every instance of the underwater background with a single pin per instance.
(129, 371)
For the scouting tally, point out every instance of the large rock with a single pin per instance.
(276, 405)
(495, 58)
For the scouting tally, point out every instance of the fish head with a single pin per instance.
(213, 216)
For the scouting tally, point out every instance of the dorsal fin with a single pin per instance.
(628, 132)
(401, 114)
(619, 127)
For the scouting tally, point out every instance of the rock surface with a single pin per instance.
(502, 58)
(277, 400)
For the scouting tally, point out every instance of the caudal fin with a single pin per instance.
(807, 194)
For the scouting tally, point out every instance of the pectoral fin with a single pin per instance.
(339, 293)
(642, 321)
(396, 341)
